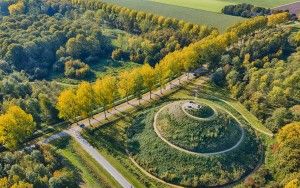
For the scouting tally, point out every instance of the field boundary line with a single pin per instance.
(285, 4)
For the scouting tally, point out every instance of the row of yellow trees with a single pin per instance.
(108, 89)
(105, 91)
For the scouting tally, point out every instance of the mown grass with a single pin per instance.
(212, 19)
(209, 5)
(92, 174)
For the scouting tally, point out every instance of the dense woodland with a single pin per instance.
(41, 39)
(256, 60)
(35, 167)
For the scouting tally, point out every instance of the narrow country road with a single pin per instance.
(99, 158)
(75, 130)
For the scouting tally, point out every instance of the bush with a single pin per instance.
(76, 69)
(119, 54)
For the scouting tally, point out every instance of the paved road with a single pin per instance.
(99, 158)
(75, 130)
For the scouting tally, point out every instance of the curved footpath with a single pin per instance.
(75, 130)
(197, 153)
(183, 108)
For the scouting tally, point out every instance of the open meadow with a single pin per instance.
(262, 3)
(209, 5)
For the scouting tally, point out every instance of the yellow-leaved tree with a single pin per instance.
(126, 84)
(67, 105)
(86, 100)
(138, 83)
(149, 77)
(161, 75)
(106, 91)
(15, 126)
(17, 8)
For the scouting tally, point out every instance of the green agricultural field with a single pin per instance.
(217, 5)
(212, 19)
(262, 3)
(209, 5)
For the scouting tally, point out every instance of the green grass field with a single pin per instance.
(217, 5)
(262, 3)
(192, 15)
(209, 5)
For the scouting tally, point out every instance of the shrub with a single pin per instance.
(76, 69)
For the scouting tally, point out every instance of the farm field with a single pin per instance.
(209, 5)
(213, 19)
(262, 3)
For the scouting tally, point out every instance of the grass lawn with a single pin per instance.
(101, 68)
(212, 19)
(92, 174)
(209, 5)
(262, 3)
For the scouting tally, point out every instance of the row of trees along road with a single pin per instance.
(87, 97)
(16, 125)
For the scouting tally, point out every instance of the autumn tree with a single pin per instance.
(86, 100)
(15, 126)
(138, 83)
(149, 77)
(162, 75)
(278, 18)
(67, 105)
(17, 8)
(106, 91)
(126, 84)
(286, 157)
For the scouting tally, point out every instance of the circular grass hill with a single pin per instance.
(197, 127)
(173, 144)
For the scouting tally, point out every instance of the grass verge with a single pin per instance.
(92, 174)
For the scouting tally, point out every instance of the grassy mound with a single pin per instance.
(177, 167)
(199, 110)
(204, 136)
